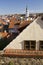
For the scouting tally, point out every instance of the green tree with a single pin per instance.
(11, 63)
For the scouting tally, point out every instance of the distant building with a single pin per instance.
(1, 25)
(6, 25)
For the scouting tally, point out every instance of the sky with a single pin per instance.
(19, 6)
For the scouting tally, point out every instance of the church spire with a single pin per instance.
(27, 11)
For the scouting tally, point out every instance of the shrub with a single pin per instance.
(11, 63)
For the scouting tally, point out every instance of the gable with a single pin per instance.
(34, 31)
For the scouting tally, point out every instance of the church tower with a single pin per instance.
(27, 11)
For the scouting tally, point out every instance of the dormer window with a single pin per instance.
(29, 44)
(41, 45)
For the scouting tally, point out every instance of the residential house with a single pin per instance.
(29, 41)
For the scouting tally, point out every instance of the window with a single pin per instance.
(41, 45)
(29, 45)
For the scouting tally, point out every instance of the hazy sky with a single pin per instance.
(18, 6)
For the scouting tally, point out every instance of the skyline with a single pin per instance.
(19, 6)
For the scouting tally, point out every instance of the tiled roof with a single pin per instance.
(12, 22)
(24, 23)
(3, 34)
(2, 21)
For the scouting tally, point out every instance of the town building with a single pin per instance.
(30, 40)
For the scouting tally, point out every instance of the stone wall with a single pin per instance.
(21, 61)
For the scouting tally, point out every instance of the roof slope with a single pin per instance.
(34, 31)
